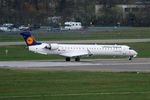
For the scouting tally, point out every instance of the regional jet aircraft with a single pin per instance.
(77, 50)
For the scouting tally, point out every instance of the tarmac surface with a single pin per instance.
(104, 65)
(84, 41)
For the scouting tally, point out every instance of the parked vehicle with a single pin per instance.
(8, 27)
(72, 26)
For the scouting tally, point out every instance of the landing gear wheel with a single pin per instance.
(68, 59)
(77, 59)
(130, 58)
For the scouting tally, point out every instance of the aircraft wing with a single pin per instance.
(74, 54)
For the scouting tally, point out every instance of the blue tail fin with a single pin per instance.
(29, 39)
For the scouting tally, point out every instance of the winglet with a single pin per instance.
(29, 39)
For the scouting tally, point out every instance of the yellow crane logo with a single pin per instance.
(29, 40)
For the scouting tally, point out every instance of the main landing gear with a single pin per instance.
(68, 58)
(77, 59)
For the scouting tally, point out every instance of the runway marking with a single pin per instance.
(77, 94)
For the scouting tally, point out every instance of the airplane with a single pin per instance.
(77, 50)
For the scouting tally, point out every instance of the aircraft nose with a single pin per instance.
(134, 53)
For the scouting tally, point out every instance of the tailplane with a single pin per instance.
(29, 39)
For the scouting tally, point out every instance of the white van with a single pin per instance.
(72, 26)
(6, 27)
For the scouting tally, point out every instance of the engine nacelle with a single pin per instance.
(54, 46)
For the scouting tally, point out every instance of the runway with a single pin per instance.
(105, 65)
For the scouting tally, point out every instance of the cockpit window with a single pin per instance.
(130, 49)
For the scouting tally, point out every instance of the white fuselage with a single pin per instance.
(74, 50)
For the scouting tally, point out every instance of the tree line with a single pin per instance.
(38, 12)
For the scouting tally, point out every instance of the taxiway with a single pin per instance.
(83, 41)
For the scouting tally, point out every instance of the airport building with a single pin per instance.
(123, 8)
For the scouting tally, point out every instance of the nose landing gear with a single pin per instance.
(130, 57)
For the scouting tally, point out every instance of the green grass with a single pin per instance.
(130, 33)
(143, 49)
(46, 85)
(22, 53)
